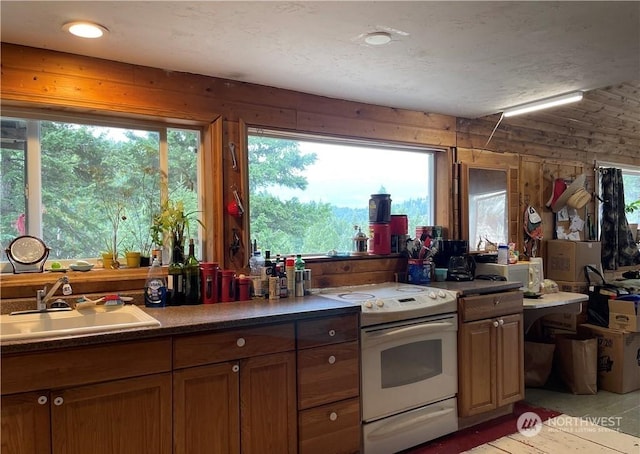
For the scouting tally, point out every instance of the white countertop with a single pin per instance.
(554, 299)
(551, 303)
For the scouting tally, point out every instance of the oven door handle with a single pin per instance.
(407, 423)
(419, 329)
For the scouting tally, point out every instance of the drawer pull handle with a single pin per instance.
(332, 332)
(332, 359)
(42, 400)
(496, 301)
(333, 416)
(58, 401)
(240, 342)
(501, 322)
(235, 368)
(495, 323)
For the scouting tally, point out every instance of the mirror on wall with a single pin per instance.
(484, 206)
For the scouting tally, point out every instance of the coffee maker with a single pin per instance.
(461, 268)
(453, 255)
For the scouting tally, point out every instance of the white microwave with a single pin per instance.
(516, 272)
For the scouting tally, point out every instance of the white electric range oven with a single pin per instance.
(409, 375)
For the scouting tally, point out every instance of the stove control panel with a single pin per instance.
(428, 299)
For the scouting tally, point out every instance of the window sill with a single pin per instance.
(93, 281)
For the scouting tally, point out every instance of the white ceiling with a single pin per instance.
(465, 59)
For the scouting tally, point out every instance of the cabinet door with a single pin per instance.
(117, 417)
(25, 424)
(268, 404)
(477, 367)
(207, 409)
(510, 359)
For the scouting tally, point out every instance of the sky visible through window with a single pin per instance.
(346, 176)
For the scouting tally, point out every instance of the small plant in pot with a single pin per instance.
(171, 223)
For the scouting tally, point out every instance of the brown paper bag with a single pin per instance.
(538, 360)
(577, 363)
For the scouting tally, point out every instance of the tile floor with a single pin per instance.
(626, 407)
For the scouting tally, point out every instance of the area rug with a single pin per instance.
(480, 434)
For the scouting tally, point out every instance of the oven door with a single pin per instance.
(408, 364)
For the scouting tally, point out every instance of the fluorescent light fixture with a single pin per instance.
(377, 38)
(85, 29)
(543, 104)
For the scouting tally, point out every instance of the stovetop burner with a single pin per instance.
(392, 301)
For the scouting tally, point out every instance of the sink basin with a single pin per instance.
(88, 320)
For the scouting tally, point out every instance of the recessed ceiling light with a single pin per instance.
(377, 38)
(85, 29)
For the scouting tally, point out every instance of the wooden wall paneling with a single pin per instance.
(515, 213)
(213, 193)
(364, 270)
(531, 193)
(235, 241)
(333, 124)
(360, 111)
(446, 190)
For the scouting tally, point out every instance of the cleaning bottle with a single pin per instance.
(155, 287)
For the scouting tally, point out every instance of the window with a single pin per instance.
(631, 181)
(308, 192)
(75, 181)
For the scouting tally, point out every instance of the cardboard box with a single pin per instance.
(568, 322)
(623, 315)
(618, 358)
(566, 259)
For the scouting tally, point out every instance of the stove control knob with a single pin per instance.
(368, 304)
(442, 294)
(379, 303)
(432, 295)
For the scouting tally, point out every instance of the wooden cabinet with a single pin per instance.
(490, 352)
(329, 385)
(25, 423)
(120, 415)
(234, 391)
(249, 390)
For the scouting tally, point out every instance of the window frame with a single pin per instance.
(34, 115)
(333, 139)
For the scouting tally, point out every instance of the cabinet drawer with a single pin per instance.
(332, 428)
(486, 306)
(198, 349)
(327, 330)
(327, 374)
(84, 365)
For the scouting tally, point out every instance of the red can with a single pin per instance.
(228, 286)
(399, 224)
(209, 272)
(243, 285)
(379, 239)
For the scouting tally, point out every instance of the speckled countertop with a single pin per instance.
(211, 317)
(192, 319)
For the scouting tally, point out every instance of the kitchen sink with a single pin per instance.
(88, 320)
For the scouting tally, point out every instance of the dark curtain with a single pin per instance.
(618, 247)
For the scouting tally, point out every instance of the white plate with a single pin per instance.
(76, 267)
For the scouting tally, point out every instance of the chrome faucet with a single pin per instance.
(43, 297)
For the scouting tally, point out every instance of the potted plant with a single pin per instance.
(132, 257)
(171, 223)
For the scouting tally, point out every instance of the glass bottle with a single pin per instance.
(176, 278)
(155, 287)
(299, 263)
(191, 273)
